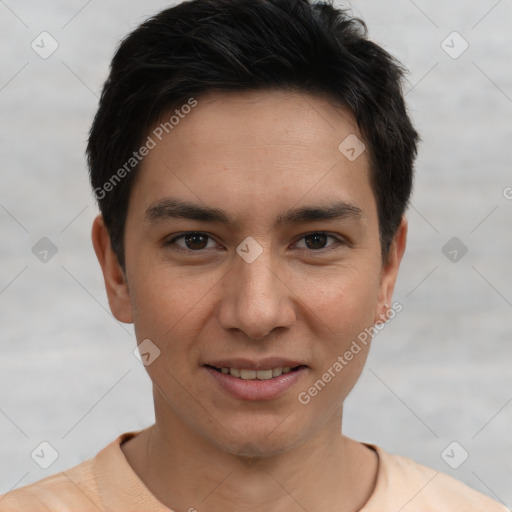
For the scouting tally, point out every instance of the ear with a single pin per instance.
(115, 279)
(390, 271)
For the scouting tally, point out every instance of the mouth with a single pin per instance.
(263, 374)
(255, 381)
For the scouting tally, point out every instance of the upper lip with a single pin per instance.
(248, 364)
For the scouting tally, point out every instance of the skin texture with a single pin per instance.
(254, 155)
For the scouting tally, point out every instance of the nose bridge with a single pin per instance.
(256, 301)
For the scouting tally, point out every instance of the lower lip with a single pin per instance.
(255, 390)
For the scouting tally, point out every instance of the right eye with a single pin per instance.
(193, 241)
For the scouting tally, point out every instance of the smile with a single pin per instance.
(245, 374)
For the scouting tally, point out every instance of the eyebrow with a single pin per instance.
(170, 208)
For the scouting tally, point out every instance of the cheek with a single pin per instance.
(169, 306)
(343, 302)
(167, 316)
(343, 312)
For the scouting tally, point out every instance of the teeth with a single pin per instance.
(276, 372)
(264, 374)
(248, 374)
(255, 374)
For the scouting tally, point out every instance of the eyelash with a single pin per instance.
(339, 242)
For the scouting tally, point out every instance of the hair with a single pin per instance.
(202, 46)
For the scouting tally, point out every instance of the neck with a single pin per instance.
(185, 472)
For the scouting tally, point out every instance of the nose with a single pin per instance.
(257, 298)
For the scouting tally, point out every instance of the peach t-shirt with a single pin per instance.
(108, 483)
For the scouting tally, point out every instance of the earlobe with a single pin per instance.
(113, 274)
(390, 271)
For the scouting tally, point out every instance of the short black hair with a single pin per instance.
(201, 46)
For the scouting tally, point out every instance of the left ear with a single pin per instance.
(390, 271)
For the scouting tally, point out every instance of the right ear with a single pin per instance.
(113, 274)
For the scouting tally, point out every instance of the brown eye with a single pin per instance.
(196, 241)
(317, 241)
(192, 242)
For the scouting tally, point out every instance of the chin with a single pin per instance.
(257, 441)
(259, 450)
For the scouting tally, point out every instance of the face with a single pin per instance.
(281, 270)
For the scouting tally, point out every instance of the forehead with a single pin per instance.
(251, 151)
(272, 117)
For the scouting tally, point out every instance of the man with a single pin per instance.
(252, 160)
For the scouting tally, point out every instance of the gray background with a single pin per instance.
(439, 372)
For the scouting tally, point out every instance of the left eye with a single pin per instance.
(318, 239)
(198, 241)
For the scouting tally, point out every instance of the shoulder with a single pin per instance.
(80, 488)
(406, 485)
(54, 493)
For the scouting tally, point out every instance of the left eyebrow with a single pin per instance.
(174, 208)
